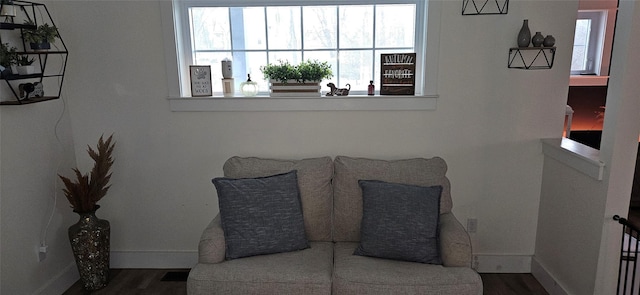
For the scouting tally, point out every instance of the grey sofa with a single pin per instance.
(332, 209)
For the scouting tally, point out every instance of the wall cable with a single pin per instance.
(43, 240)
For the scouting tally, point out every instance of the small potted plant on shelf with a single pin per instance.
(296, 80)
(41, 37)
(8, 59)
(25, 66)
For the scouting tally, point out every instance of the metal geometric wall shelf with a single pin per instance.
(531, 58)
(476, 7)
(50, 65)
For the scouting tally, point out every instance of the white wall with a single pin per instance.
(487, 126)
(578, 242)
(30, 159)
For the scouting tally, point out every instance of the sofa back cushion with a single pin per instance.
(314, 182)
(347, 194)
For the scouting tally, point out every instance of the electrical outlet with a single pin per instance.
(472, 225)
(42, 253)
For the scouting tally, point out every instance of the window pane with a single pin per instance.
(583, 29)
(283, 24)
(215, 60)
(248, 28)
(580, 45)
(395, 25)
(320, 27)
(329, 56)
(578, 60)
(356, 69)
(210, 28)
(293, 57)
(349, 37)
(249, 63)
(356, 26)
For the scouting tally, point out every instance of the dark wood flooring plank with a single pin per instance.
(511, 284)
(149, 282)
(136, 282)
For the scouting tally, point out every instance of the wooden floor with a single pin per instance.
(150, 281)
(511, 284)
(137, 281)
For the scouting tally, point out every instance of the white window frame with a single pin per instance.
(424, 100)
(596, 40)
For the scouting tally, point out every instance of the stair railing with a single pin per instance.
(628, 258)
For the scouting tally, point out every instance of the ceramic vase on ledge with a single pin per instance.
(549, 41)
(89, 239)
(524, 36)
(537, 39)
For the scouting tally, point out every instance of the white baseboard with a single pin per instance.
(502, 263)
(546, 279)
(61, 282)
(153, 259)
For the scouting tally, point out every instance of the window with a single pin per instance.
(350, 35)
(588, 43)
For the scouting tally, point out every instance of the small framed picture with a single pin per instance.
(200, 81)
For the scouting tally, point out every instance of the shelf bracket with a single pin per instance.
(531, 58)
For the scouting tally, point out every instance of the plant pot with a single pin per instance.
(26, 70)
(89, 239)
(8, 10)
(14, 69)
(293, 88)
(40, 46)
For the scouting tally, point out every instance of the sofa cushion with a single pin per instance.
(261, 215)
(400, 221)
(354, 274)
(347, 201)
(301, 272)
(314, 182)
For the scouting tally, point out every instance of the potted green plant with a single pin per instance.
(25, 65)
(313, 70)
(281, 72)
(310, 70)
(41, 37)
(296, 80)
(89, 237)
(8, 59)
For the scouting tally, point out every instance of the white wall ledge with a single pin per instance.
(574, 154)
(271, 104)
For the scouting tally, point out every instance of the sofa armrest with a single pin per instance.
(212, 245)
(455, 244)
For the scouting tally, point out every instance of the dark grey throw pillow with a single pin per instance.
(261, 215)
(400, 222)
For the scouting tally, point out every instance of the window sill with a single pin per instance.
(576, 155)
(577, 80)
(271, 104)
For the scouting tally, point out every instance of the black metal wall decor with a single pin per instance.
(49, 65)
(476, 7)
(531, 58)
